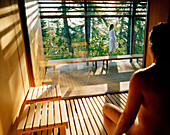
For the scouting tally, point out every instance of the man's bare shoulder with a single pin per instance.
(141, 73)
(141, 76)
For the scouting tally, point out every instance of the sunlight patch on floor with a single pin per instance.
(124, 85)
(91, 89)
(124, 66)
(137, 66)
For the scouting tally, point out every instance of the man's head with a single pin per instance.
(160, 39)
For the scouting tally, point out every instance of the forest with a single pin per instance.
(72, 37)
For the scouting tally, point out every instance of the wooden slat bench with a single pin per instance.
(92, 59)
(43, 116)
(43, 93)
(44, 110)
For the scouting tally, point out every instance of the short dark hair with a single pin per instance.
(160, 38)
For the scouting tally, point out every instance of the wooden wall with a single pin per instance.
(35, 39)
(158, 12)
(13, 66)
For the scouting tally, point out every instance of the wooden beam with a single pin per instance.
(132, 28)
(82, 16)
(101, 0)
(81, 2)
(86, 31)
(82, 11)
(41, 7)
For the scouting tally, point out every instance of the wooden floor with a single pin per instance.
(85, 114)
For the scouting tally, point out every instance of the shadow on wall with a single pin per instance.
(13, 68)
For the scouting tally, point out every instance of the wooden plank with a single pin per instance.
(83, 7)
(93, 123)
(118, 102)
(63, 113)
(99, 124)
(30, 117)
(96, 108)
(89, 126)
(82, 16)
(57, 113)
(50, 132)
(98, 104)
(77, 124)
(123, 98)
(58, 91)
(44, 92)
(105, 99)
(72, 125)
(112, 100)
(30, 93)
(50, 115)
(44, 132)
(34, 96)
(23, 118)
(80, 11)
(44, 115)
(81, 2)
(63, 130)
(120, 99)
(68, 132)
(100, 100)
(39, 92)
(81, 119)
(37, 116)
(56, 131)
(125, 95)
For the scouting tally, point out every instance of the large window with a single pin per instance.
(74, 29)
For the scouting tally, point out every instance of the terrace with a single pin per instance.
(78, 79)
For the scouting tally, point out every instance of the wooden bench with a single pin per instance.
(93, 59)
(44, 110)
(43, 93)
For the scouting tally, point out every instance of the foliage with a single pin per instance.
(56, 45)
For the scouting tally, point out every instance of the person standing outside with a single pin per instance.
(112, 41)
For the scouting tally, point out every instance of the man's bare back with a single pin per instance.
(152, 117)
